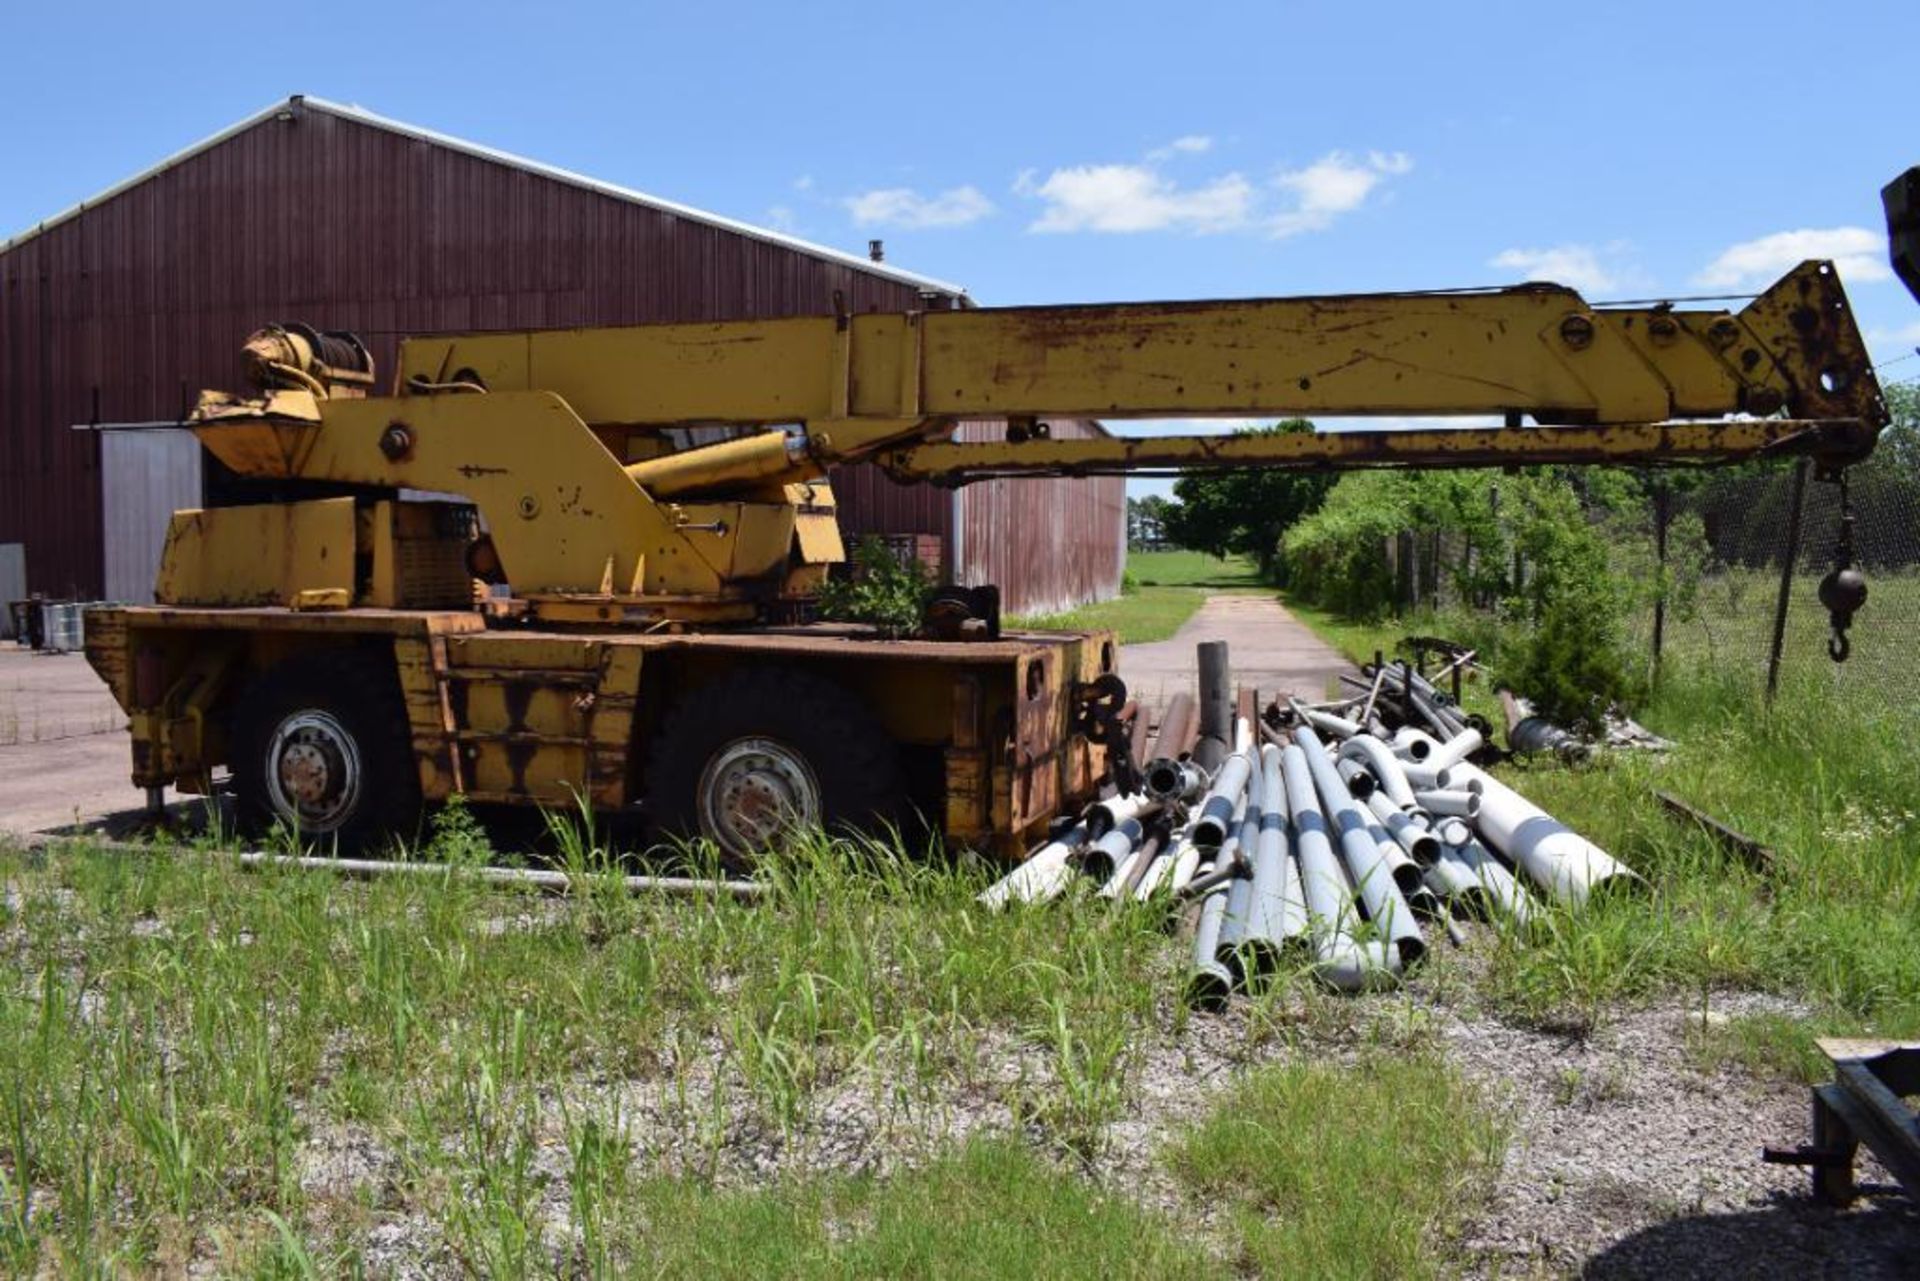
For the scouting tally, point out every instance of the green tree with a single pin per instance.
(1244, 512)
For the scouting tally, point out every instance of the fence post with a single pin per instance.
(1787, 565)
(1662, 517)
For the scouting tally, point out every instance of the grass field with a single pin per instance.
(1167, 588)
(289, 1074)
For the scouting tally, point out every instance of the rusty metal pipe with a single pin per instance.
(1216, 706)
(1170, 740)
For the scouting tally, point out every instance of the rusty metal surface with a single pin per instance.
(1050, 544)
(146, 296)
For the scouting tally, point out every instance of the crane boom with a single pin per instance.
(566, 440)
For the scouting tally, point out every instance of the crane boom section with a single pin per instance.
(864, 384)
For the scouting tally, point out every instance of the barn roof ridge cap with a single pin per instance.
(360, 115)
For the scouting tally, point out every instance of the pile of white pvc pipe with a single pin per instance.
(1321, 856)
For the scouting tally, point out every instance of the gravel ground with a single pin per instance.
(1628, 1158)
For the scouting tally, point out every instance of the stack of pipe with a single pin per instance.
(1322, 840)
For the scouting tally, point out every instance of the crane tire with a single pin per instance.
(321, 746)
(748, 758)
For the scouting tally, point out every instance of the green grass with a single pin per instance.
(1334, 1172)
(591, 1085)
(1824, 777)
(1170, 586)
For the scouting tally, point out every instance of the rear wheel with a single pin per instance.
(761, 754)
(321, 746)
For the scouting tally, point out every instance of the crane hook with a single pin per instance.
(1844, 590)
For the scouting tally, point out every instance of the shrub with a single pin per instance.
(879, 588)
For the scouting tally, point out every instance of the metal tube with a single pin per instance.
(1241, 840)
(1562, 862)
(1046, 873)
(1216, 705)
(1168, 778)
(1450, 803)
(1327, 722)
(1385, 766)
(1171, 738)
(1453, 881)
(1372, 875)
(1210, 828)
(1277, 915)
(1150, 859)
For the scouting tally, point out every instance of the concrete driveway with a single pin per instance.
(1267, 647)
(64, 753)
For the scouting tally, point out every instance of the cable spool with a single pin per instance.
(328, 364)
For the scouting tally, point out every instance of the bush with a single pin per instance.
(877, 588)
(1526, 550)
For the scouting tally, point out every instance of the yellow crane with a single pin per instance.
(331, 654)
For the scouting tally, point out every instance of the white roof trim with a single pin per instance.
(358, 115)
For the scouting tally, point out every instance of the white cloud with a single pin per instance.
(1332, 185)
(803, 183)
(1576, 265)
(1138, 197)
(780, 218)
(1861, 254)
(1191, 144)
(904, 207)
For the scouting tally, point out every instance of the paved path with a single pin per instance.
(1267, 647)
(63, 743)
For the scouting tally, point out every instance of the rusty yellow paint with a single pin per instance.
(266, 554)
(1538, 349)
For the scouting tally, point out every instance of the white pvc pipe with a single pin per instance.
(1103, 816)
(1223, 798)
(1372, 873)
(1338, 960)
(1044, 876)
(1454, 750)
(1555, 857)
(1385, 767)
(1504, 892)
(1459, 803)
(1276, 913)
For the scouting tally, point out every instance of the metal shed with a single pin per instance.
(123, 307)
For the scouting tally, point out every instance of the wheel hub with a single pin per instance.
(314, 773)
(753, 791)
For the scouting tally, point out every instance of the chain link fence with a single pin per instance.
(1742, 557)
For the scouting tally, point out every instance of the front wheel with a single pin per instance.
(759, 755)
(321, 747)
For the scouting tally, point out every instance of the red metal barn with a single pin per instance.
(121, 309)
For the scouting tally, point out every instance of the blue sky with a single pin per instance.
(1073, 152)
